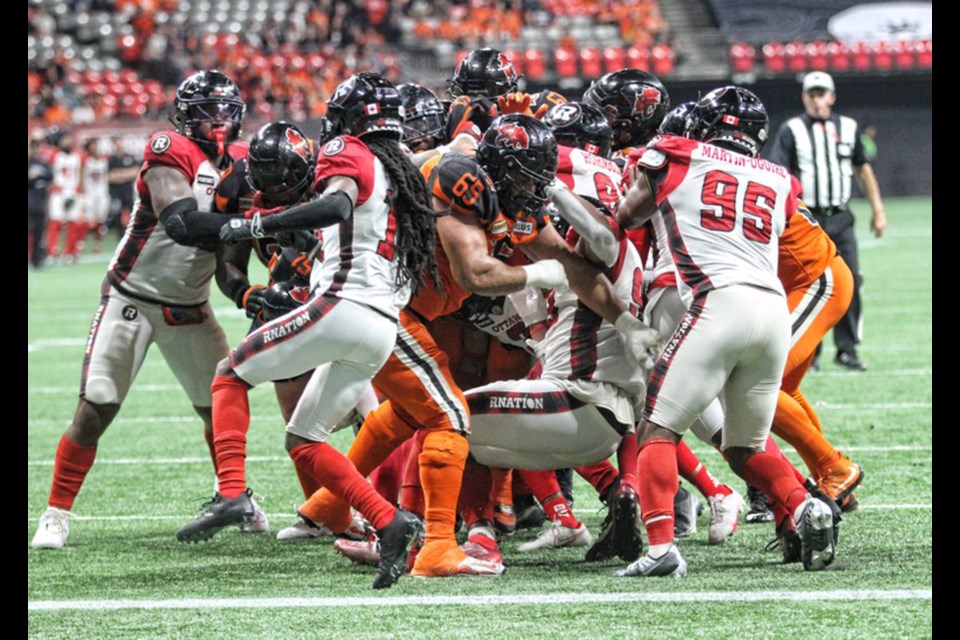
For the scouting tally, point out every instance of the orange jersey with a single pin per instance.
(805, 251)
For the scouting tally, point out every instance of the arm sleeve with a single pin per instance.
(859, 156)
(328, 209)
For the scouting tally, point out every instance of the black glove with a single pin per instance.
(302, 241)
(239, 229)
(253, 300)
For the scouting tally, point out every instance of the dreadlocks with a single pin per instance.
(416, 223)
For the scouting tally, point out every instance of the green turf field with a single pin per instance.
(123, 574)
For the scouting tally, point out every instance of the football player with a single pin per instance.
(96, 193)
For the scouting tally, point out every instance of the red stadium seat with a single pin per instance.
(860, 52)
(111, 77)
(903, 56)
(796, 54)
(817, 55)
(663, 59)
(638, 58)
(515, 59)
(565, 60)
(838, 54)
(742, 57)
(613, 59)
(590, 65)
(925, 54)
(128, 76)
(534, 64)
(882, 56)
(774, 57)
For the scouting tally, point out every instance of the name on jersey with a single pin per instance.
(207, 180)
(290, 326)
(507, 402)
(716, 153)
(597, 161)
(678, 335)
(525, 228)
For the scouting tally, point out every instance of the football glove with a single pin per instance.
(253, 300)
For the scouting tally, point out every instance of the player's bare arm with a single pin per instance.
(871, 189)
(638, 204)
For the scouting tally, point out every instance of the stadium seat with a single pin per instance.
(882, 56)
(613, 59)
(565, 62)
(838, 55)
(663, 59)
(638, 58)
(590, 63)
(860, 53)
(742, 57)
(925, 54)
(816, 53)
(903, 57)
(796, 54)
(534, 64)
(774, 57)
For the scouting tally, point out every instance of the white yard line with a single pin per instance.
(470, 600)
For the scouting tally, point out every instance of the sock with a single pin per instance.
(542, 484)
(474, 501)
(694, 471)
(70, 467)
(658, 485)
(53, 237)
(557, 509)
(388, 477)
(627, 460)
(441, 474)
(208, 436)
(792, 423)
(520, 487)
(75, 233)
(772, 476)
(338, 475)
(502, 490)
(600, 475)
(308, 483)
(774, 449)
(231, 419)
(382, 432)
(411, 493)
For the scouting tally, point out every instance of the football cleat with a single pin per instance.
(53, 530)
(451, 561)
(259, 524)
(302, 529)
(530, 515)
(815, 524)
(557, 537)
(840, 479)
(627, 539)
(218, 514)
(482, 547)
(724, 516)
(504, 519)
(395, 539)
(359, 551)
(787, 540)
(760, 510)
(602, 548)
(686, 508)
(669, 564)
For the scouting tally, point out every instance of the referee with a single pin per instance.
(824, 151)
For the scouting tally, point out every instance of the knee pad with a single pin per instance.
(101, 391)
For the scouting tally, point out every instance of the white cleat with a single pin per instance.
(559, 536)
(53, 530)
(818, 533)
(302, 530)
(724, 516)
(669, 564)
(259, 524)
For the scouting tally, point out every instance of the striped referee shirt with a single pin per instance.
(822, 154)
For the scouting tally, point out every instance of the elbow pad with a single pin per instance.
(174, 219)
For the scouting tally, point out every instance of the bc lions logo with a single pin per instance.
(298, 143)
(507, 66)
(647, 102)
(513, 136)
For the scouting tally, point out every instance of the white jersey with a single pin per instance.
(723, 213)
(359, 259)
(148, 264)
(590, 176)
(66, 172)
(95, 177)
(581, 345)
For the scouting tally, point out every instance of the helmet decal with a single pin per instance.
(565, 113)
(507, 66)
(513, 135)
(647, 102)
(298, 143)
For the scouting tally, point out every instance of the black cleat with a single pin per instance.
(395, 539)
(788, 541)
(565, 480)
(760, 510)
(851, 361)
(627, 541)
(218, 514)
(530, 515)
(602, 548)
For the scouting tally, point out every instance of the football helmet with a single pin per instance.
(634, 102)
(675, 122)
(280, 163)
(424, 118)
(730, 117)
(484, 72)
(580, 125)
(366, 104)
(520, 154)
(208, 109)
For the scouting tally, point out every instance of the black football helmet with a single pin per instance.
(484, 72)
(634, 101)
(280, 163)
(730, 117)
(520, 154)
(580, 125)
(326, 131)
(208, 109)
(424, 118)
(675, 123)
(366, 104)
